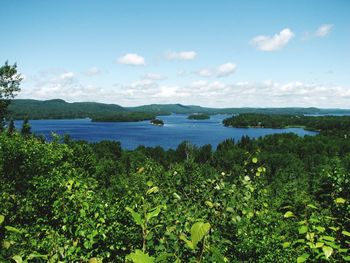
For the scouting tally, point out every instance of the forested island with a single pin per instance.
(317, 123)
(198, 117)
(157, 122)
(124, 117)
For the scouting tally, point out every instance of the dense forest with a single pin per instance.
(280, 198)
(198, 117)
(60, 109)
(124, 117)
(325, 124)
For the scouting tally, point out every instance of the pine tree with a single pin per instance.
(11, 127)
(26, 128)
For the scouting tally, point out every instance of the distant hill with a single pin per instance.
(60, 109)
(170, 108)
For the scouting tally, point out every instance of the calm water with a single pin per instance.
(132, 134)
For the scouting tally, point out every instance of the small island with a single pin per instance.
(157, 122)
(198, 116)
(124, 117)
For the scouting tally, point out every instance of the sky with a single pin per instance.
(222, 53)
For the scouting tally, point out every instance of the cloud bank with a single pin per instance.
(67, 86)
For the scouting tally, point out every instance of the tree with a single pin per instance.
(11, 127)
(26, 128)
(10, 80)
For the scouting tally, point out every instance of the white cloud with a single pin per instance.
(324, 30)
(93, 71)
(226, 69)
(154, 76)
(267, 43)
(171, 92)
(182, 55)
(51, 85)
(223, 70)
(132, 59)
(205, 73)
(67, 75)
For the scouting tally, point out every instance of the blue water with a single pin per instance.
(132, 134)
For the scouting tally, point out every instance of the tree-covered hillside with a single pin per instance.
(59, 109)
(281, 198)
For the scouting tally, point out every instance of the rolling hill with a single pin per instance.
(60, 109)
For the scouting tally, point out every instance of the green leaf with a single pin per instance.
(175, 195)
(188, 242)
(153, 213)
(288, 214)
(198, 231)
(286, 244)
(164, 257)
(209, 204)
(17, 259)
(329, 238)
(319, 244)
(13, 229)
(217, 255)
(140, 257)
(136, 216)
(327, 251)
(2, 218)
(346, 233)
(311, 206)
(37, 255)
(346, 258)
(303, 229)
(154, 189)
(340, 200)
(320, 229)
(303, 258)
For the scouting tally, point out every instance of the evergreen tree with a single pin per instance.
(26, 128)
(11, 127)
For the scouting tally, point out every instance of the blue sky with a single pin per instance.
(212, 53)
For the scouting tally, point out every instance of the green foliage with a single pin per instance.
(59, 109)
(26, 128)
(325, 124)
(280, 198)
(10, 80)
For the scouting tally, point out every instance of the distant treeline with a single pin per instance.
(319, 123)
(124, 117)
(60, 109)
(198, 117)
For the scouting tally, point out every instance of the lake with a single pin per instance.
(132, 134)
